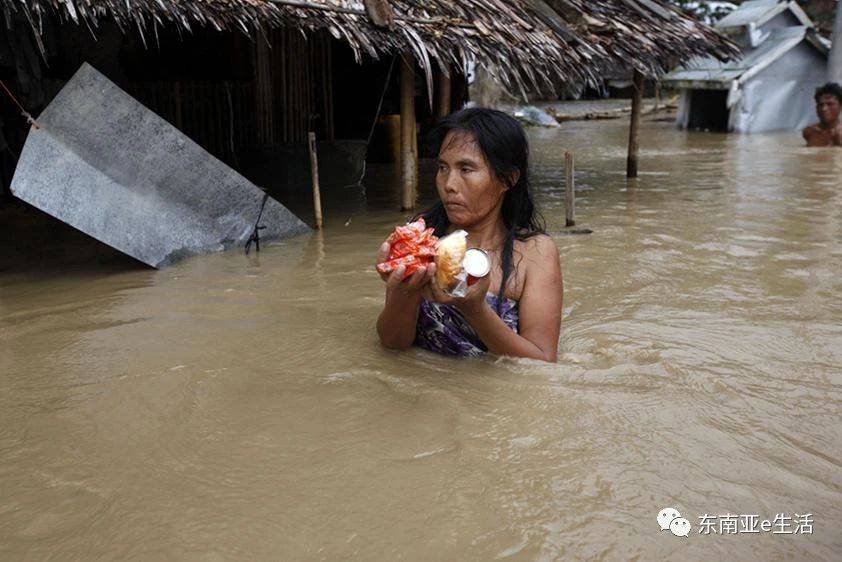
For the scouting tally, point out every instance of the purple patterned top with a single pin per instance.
(443, 329)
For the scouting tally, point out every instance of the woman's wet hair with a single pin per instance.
(832, 89)
(502, 141)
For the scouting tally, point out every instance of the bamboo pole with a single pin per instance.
(409, 156)
(569, 191)
(314, 170)
(443, 97)
(634, 126)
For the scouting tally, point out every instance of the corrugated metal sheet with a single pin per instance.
(758, 12)
(719, 75)
(754, 11)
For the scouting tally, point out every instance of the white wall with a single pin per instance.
(781, 96)
(784, 19)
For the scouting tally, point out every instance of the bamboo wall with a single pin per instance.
(218, 115)
(293, 86)
(286, 92)
(291, 93)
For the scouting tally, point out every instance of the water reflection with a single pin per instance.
(239, 406)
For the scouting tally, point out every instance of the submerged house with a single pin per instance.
(770, 87)
(249, 79)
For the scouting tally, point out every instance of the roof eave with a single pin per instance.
(699, 84)
(774, 11)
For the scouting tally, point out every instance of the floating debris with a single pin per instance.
(536, 117)
(106, 165)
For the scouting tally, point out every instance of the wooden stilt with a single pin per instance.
(570, 191)
(314, 171)
(637, 98)
(409, 156)
(443, 96)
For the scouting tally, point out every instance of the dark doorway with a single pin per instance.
(708, 110)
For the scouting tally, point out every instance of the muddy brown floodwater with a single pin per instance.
(234, 408)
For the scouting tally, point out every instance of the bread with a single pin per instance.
(449, 255)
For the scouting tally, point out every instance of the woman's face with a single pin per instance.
(467, 186)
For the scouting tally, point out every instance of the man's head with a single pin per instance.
(828, 102)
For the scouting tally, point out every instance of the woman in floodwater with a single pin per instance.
(483, 187)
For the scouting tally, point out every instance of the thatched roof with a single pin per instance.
(524, 42)
(649, 35)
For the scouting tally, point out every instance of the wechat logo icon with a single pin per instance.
(670, 519)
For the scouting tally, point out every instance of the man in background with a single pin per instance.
(828, 131)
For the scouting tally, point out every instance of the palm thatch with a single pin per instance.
(526, 43)
(647, 35)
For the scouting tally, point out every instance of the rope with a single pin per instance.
(376, 115)
(29, 119)
(255, 234)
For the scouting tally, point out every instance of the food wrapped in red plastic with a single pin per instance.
(412, 245)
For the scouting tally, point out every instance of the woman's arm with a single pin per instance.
(502, 340)
(539, 308)
(396, 323)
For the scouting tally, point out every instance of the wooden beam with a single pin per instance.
(314, 171)
(443, 95)
(634, 126)
(409, 155)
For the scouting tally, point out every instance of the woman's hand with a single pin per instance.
(395, 281)
(396, 324)
(473, 300)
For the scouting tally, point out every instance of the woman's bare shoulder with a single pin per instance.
(539, 248)
(540, 259)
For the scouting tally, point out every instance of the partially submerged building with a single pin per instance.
(770, 87)
(249, 79)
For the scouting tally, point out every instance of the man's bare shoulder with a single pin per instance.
(816, 135)
(811, 130)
